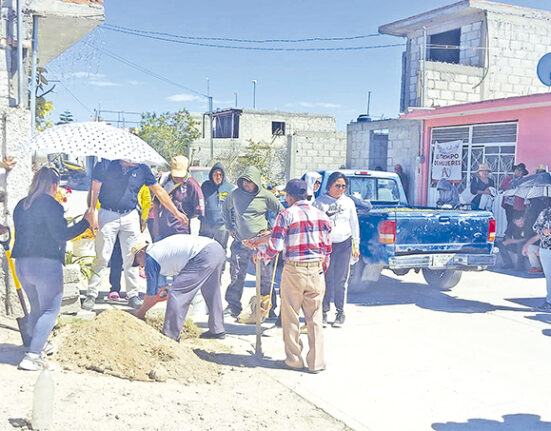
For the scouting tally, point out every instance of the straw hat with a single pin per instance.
(138, 246)
(178, 166)
(484, 167)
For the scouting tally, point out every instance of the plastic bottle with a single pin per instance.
(43, 401)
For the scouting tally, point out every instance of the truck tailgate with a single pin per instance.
(441, 231)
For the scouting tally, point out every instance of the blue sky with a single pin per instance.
(334, 82)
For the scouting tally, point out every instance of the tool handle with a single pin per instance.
(258, 347)
(16, 282)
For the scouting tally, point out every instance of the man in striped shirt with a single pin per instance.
(302, 233)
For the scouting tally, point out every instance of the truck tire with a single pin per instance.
(441, 278)
(401, 272)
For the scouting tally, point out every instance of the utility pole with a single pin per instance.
(20, 70)
(235, 95)
(211, 131)
(368, 102)
(254, 93)
(33, 74)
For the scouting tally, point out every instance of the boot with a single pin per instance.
(148, 302)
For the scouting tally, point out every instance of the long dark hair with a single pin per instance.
(333, 179)
(42, 182)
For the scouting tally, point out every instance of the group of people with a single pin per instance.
(317, 238)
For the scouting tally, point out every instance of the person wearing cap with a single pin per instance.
(480, 185)
(245, 216)
(116, 185)
(313, 183)
(403, 177)
(195, 263)
(302, 233)
(513, 205)
(186, 195)
(215, 190)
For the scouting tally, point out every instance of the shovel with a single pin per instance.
(22, 322)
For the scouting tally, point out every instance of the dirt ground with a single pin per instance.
(206, 388)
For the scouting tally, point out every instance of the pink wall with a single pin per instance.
(533, 142)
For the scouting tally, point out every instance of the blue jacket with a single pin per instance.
(214, 197)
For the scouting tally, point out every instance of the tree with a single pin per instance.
(43, 107)
(270, 161)
(65, 118)
(170, 134)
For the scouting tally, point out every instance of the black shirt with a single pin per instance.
(515, 232)
(41, 230)
(120, 185)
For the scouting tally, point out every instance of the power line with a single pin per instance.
(252, 48)
(142, 69)
(75, 97)
(176, 36)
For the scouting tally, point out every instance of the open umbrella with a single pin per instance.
(94, 139)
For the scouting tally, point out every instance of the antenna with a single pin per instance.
(544, 70)
(368, 102)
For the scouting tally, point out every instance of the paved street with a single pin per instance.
(414, 358)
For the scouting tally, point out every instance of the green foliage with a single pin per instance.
(84, 262)
(65, 118)
(170, 134)
(270, 161)
(43, 107)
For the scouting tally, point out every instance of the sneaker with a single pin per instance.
(135, 302)
(339, 320)
(324, 319)
(49, 348)
(546, 306)
(534, 270)
(231, 312)
(209, 335)
(114, 296)
(89, 303)
(34, 363)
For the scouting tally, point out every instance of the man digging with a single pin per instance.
(194, 262)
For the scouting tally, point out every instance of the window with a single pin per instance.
(373, 189)
(226, 125)
(278, 128)
(444, 47)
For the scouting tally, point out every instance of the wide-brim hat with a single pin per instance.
(179, 166)
(522, 168)
(138, 246)
(484, 167)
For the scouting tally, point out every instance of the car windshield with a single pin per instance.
(200, 175)
(373, 189)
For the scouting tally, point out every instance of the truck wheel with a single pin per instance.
(441, 278)
(401, 271)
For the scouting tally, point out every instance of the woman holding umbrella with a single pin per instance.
(40, 236)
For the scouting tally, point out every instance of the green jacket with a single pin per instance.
(247, 213)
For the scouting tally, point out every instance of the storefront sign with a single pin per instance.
(446, 161)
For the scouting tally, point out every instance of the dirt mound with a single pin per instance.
(157, 320)
(118, 344)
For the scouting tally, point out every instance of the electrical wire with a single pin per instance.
(141, 68)
(75, 97)
(225, 39)
(252, 48)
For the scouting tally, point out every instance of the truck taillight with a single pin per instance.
(387, 232)
(492, 230)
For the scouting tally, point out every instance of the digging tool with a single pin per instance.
(258, 347)
(22, 322)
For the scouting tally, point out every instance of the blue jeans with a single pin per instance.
(545, 259)
(42, 280)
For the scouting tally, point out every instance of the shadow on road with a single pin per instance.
(516, 422)
(237, 360)
(390, 291)
(11, 353)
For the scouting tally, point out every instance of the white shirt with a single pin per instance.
(343, 216)
(174, 252)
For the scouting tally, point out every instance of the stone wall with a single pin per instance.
(312, 151)
(364, 150)
(450, 84)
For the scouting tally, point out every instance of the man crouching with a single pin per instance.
(196, 263)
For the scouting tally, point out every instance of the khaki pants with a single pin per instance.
(302, 287)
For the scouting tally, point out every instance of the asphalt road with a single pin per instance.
(411, 357)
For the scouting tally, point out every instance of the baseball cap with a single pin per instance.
(178, 166)
(296, 187)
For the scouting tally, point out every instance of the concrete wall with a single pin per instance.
(498, 58)
(310, 151)
(364, 150)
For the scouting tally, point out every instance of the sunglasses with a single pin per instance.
(340, 186)
(317, 182)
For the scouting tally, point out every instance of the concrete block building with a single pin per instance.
(470, 51)
(309, 140)
(59, 24)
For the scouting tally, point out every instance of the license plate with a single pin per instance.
(441, 260)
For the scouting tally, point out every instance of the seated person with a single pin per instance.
(516, 237)
(447, 194)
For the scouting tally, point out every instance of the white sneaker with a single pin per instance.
(49, 348)
(31, 363)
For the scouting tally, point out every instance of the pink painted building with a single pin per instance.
(500, 132)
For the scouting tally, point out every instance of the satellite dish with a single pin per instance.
(544, 69)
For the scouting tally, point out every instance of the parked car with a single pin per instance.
(394, 235)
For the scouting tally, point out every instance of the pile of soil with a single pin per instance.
(118, 344)
(189, 330)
